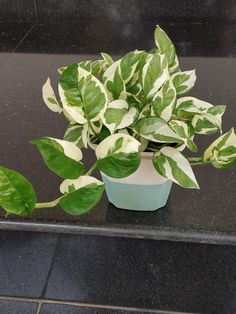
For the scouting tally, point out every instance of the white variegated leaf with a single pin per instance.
(107, 58)
(68, 185)
(70, 149)
(118, 115)
(114, 83)
(50, 98)
(222, 152)
(171, 164)
(164, 101)
(77, 134)
(183, 81)
(129, 63)
(83, 96)
(117, 143)
(164, 45)
(154, 74)
(186, 133)
(157, 130)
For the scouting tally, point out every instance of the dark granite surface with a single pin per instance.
(17, 307)
(205, 215)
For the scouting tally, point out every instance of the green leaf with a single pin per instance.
(17, 196)
(164, 45)
(62, 157)
(156, 129)
(184, 81)
(222, 152)
(118, 155)
(154, 74)
(119, 165)
(81, 194)
(171, 164)
(164, 101)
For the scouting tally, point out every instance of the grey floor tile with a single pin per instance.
(25, 261)
(72, 309)
(17, 307)
(145, 274)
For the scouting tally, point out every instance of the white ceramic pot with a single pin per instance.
(144, 190)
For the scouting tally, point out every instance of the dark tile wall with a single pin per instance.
(133, 11)
(17, 10)
(17, 307)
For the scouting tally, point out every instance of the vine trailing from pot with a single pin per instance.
(121, 109)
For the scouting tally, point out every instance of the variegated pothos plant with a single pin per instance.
(121, 109)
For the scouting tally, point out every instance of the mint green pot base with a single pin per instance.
(137, 197)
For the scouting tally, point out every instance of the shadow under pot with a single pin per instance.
(143, 190)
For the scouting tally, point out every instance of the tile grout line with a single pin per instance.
(50, 269)
(81, 304)
(39, 308)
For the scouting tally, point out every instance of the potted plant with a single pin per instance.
(133, 113)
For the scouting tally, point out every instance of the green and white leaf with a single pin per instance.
(81, 194)
(129, 64)
(17, 195)
(114, 83)
(82, 94)
(157, 130)
(222, 152)
(171, 164)
(77, 134)
(184, 81)
(164, 101)
(62, 157)
(206, 118)
(186, 132)
(164, 45)
(118, 155)
(49, 97)
(118, 115)
(175, 66)
(154, 74)
(107, 58)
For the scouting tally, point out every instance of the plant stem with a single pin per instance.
(197, 163)
(195, 159)
(92, 128)
(48, 204)
(92, 169)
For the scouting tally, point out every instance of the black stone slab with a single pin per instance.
(92, 37)
(25, 262)
(207, 215)
(18, 11)
(145, 274)
(74, 309)
(17, 307)
(132, 11)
